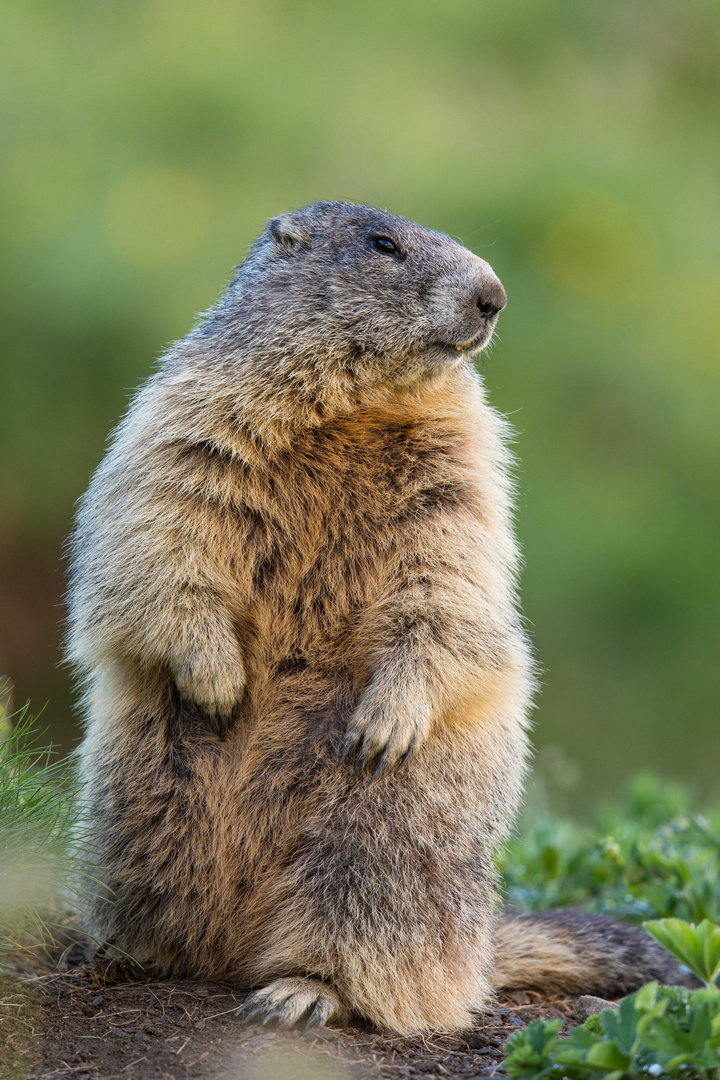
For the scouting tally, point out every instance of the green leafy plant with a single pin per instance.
(40, 840)
(698, 947)
(530, 1051)
(660, 1032)
(652, 856)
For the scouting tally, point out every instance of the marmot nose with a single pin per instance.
(490, 298)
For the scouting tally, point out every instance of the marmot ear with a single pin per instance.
(288, 231)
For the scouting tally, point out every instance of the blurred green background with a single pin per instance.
(574, 145)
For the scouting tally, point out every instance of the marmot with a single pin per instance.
(293, 604)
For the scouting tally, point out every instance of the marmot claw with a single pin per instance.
(214, 701)
(287, 1002)
(219, 721)
(364, 749)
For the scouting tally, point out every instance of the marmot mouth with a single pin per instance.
(472, 344)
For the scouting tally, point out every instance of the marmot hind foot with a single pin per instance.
(287, 1002)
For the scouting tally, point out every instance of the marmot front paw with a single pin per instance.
(214, 694)
(385, 734)
(286, 1002)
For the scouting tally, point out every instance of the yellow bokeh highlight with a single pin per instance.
(154, 217)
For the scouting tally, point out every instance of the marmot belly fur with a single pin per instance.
(293, 605)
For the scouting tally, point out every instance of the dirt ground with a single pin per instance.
(95, 1024)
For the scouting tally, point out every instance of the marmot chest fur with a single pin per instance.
(292, 603)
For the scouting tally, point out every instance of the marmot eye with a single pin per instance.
(385, 245)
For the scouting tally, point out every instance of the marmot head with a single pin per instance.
(362, 291)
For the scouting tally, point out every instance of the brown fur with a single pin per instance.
(295, 568)
(567, 952)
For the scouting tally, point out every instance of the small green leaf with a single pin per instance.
(698, 947)
(607, 1055)
(529, 1051)
(622, 1026)
(645, 997)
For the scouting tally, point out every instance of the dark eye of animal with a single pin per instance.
(385, 245)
